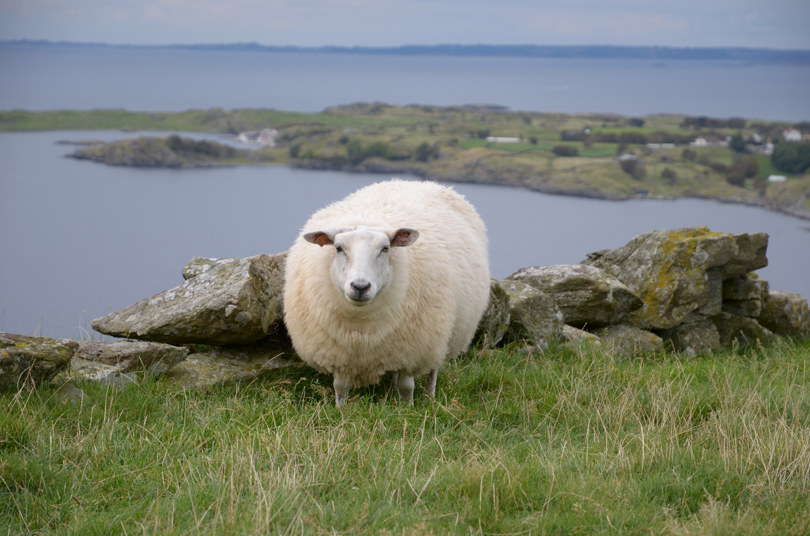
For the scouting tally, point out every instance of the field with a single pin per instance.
(567, 442)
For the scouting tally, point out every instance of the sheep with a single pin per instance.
(399, 285)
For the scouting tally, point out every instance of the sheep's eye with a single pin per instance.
(384, 249)
(339, 249)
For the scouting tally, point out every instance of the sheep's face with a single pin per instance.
(361, 267)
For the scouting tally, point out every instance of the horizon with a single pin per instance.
(779, 25)
(256, 44)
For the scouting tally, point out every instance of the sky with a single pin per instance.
(778, 24)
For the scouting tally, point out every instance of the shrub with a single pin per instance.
(737, 143)
(744, 168)
(669, 175)
(565, 150)
(791, 157)
(633, 166)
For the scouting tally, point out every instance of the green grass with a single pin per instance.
(571, 442)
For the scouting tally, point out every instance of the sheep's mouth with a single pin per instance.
(359, 299)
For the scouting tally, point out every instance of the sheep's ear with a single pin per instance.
(403, 237)
(322, 238)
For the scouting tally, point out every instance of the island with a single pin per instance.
(593, 155)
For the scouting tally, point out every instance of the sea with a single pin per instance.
(80, 239)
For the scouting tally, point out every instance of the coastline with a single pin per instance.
(598, 156)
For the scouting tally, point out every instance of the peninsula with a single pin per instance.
(593, 155)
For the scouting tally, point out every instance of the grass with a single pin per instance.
(571, 442)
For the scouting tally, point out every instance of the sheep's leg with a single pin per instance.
(341, 391)
(405, 388)
(431, 383)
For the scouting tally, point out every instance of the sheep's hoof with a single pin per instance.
(430, 388)
(405, 388)
(341, 391)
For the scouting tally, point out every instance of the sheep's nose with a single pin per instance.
(361, 286)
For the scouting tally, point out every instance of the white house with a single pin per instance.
(500, 139)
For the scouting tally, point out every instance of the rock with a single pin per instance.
(534, 317)
(200, 265)
(679, 272)
(100, 372)
(233, 302)
(69, 393)
(30, 361)
(624, 339)
(116, 362)
(741, 329)
(212, 366)
(586, 295)
(495, 321)
(786, 313)
(692, 338)
(743, 295)
(129, 355)
(576, 336)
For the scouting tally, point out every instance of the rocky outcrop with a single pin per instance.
(495, 322)
(115, 362)
(785, 313)
(215, 365)
(233, 301)
(30, 361)
(586, 295)
(534, 316)
(689, 290)
(678, 273)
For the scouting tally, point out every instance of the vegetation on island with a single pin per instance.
(596, 155)
(572, 441)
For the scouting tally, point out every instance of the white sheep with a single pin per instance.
(401, 287)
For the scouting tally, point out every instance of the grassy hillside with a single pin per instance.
(554, 153)
(570, 442)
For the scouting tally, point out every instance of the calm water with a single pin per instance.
(81, 239)
(37, 77)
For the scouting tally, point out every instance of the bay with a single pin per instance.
(40, 77)
(81, 239)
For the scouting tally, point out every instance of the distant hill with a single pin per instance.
(734, 54)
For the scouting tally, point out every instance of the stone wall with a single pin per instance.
(686, 290)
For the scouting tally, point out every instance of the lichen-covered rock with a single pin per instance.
(742, 329)
(534, 317)
(217, 365)
(744, 295)
(495, 322)
(29, 361)
(786, 313)
(627, 340)
(99, 372)
(586, 295)
(235, 302)
(575, 336)
(692, 338)
(679, 272)
(200, 265)
(128, 355)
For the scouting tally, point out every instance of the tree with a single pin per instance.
(737, 143)
(791, 157)
(565, 150)
(744, 168)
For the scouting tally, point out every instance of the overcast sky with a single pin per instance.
(690, 23)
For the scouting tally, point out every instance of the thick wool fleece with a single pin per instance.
(429, 312)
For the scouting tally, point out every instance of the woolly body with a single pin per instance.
(427, 312)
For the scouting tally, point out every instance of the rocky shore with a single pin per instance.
(684, 290)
